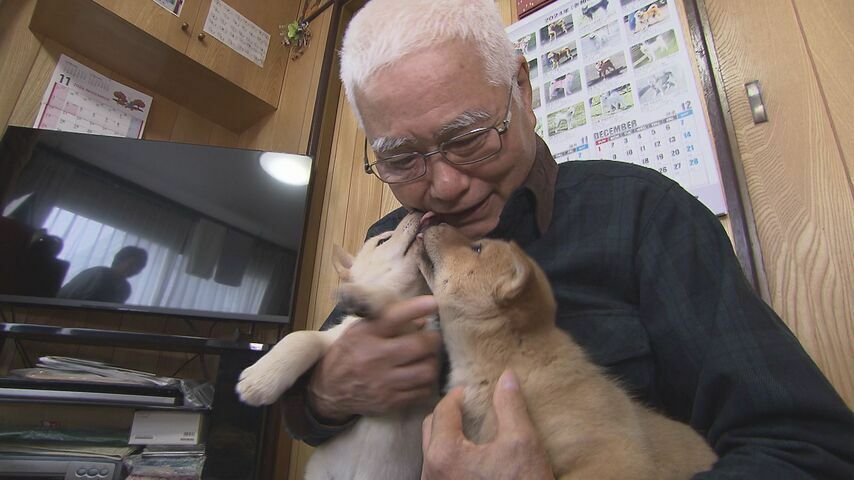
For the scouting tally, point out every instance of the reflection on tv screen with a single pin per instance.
(102, 221)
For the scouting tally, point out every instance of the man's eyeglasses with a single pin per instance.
(471, 147)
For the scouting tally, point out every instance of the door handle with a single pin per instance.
(757, 105)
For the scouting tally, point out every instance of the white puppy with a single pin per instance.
(377, 447)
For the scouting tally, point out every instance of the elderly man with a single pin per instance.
(644, 276)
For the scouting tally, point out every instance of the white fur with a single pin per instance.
(611, 102)
(382, 447)
(375, 448)
(570, 112)
(650, 48)
(266, 380)
(378, 447)
(384, 31)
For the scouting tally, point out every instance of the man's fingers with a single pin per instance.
(426, 432)
(447, 425)
(399, 317)
(415, 375)
(412, 348)
(511, 410)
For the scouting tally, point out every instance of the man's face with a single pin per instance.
(414, 102)
(129, 267)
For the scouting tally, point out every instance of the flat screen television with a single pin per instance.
(103, 222)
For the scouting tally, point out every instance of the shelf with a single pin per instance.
(111, 338)
(236, 432)
(99, 403)
(22, 390)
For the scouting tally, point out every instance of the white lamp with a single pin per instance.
(287, 167)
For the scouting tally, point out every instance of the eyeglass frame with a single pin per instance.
(501, 127)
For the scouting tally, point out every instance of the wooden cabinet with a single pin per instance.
(156, 20)
(266, 82)
(167, 54)
(234, 431)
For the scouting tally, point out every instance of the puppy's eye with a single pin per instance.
(476, 248)
(382, 241)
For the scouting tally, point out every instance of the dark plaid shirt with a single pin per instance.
(647, 282)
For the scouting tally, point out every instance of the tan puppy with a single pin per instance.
(375, 448)
(497, 312)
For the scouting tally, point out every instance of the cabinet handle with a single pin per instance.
(185, 26)
(201, 36)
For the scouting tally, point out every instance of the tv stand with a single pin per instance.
(235, 431)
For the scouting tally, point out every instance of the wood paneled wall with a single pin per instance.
(28, 62)
(798, 165)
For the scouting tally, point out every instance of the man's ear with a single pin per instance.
(342, 262)
(511, 285)
(523, 82)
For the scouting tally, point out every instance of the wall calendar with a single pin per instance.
(79, 99)
(612, 79)
(237, 32)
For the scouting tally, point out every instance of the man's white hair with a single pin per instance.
(383, 31)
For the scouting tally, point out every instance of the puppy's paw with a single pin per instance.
(262, 383)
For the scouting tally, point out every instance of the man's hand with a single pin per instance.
(379, 364)
(515, 453)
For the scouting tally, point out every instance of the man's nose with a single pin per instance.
(447, 182)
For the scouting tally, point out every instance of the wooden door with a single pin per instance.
(263, 82)
(156, 20)
(798, 165)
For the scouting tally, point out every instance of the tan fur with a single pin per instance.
(375, 448)
(497, 312)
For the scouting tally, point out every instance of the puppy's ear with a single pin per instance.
(342, 261)
(511, 285)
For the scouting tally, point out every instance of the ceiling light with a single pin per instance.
(287, 167)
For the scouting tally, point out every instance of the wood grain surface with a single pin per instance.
(265, 82)
(796, 172)
(157, 21)
(18, 49)
(829, 39)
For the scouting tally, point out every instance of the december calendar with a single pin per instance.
(612, 79)
(79, 99)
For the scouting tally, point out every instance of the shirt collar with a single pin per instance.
(541, 182)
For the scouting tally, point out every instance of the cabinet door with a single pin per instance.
(155, 20)
(263, 82)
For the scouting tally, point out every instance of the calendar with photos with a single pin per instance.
(612, 79)
(173, 6)
(238, 32)
(79, 99)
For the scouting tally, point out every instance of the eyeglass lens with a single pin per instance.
(471, 147)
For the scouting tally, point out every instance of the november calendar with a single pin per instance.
(612, 79)
(79, 99)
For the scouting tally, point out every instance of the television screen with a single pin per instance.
(105, 222)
